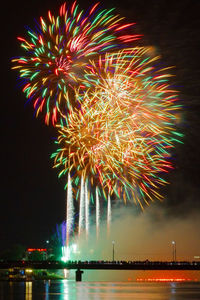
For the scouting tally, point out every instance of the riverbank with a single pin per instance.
(29, 275)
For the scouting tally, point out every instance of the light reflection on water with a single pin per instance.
(28, 290)
(71, 290)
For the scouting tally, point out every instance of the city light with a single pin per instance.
(37, 249)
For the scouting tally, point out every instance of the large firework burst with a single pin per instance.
(121, 136)
(58, 50)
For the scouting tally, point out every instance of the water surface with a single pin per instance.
(71, 290)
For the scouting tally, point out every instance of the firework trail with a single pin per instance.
(81, 208)
(70, 212)
(108, 215)
(63, 233)
(87, 210)
(59, 237)
(57, 52)
(97, 213)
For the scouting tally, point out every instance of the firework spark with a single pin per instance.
(58, 50)
(121, 136)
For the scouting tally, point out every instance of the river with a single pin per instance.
(71, 290)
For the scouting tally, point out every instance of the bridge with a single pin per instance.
(102, 265)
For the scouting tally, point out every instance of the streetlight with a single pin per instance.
(45, 254)
(113, 250)
(173, 251)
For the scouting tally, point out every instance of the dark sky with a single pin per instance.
(32, 198)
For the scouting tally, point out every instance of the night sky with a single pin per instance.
(32, 197)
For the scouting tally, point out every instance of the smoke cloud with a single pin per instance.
(141, 236)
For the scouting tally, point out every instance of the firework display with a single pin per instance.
(57, 52)
(113, 108)
(121, 136)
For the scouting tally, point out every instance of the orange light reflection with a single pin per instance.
(165, 279)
